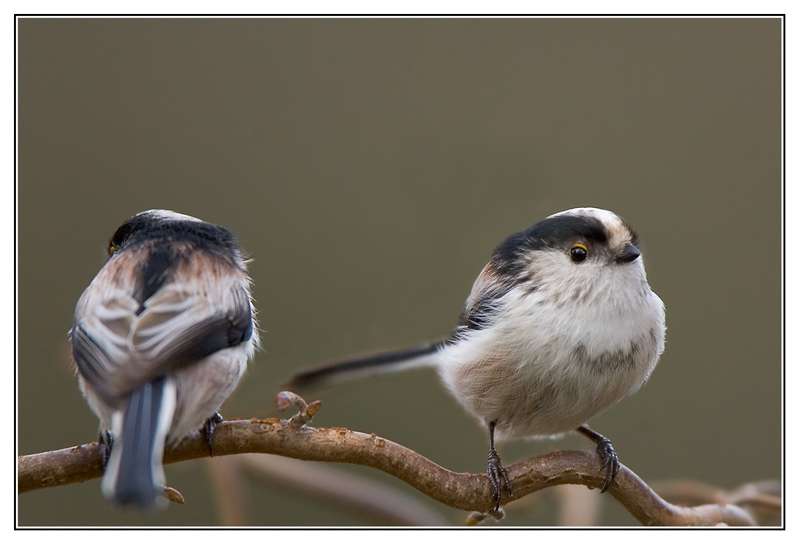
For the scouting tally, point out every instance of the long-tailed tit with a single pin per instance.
(160, 338)
(560, 325)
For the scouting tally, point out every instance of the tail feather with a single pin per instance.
(372, 364)
(134, 474)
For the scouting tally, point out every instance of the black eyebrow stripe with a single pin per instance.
(551, 232)
(145, 228)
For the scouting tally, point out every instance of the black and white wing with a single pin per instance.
(120, 345)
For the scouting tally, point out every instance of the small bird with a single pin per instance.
(160, 339)
(560, 325)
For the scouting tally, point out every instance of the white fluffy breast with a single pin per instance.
(558, 355)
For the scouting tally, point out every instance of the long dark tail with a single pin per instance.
(134, 474)
(372, 364)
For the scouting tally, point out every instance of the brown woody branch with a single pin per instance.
(466, 491)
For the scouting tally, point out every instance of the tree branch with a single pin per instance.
(465, 491)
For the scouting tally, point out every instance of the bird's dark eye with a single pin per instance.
(578, 252)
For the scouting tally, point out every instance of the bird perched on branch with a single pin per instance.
(160, 339)
(560, 325)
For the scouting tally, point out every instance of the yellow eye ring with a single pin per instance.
(578, 252)
(111, 250)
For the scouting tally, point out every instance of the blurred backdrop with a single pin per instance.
(370, 167)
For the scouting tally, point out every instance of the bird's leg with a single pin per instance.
(208, 431)
(606, 452)
(498, 476)
(106, 442)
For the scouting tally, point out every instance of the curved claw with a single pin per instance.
(610, 462)
(498, 478)
(208, 431)
(106, 443)
(607, 455)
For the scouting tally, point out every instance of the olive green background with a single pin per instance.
(369, 167)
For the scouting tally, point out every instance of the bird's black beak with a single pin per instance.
(629, 254)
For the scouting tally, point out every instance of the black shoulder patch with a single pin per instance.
(154, 271)
(479, 314)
